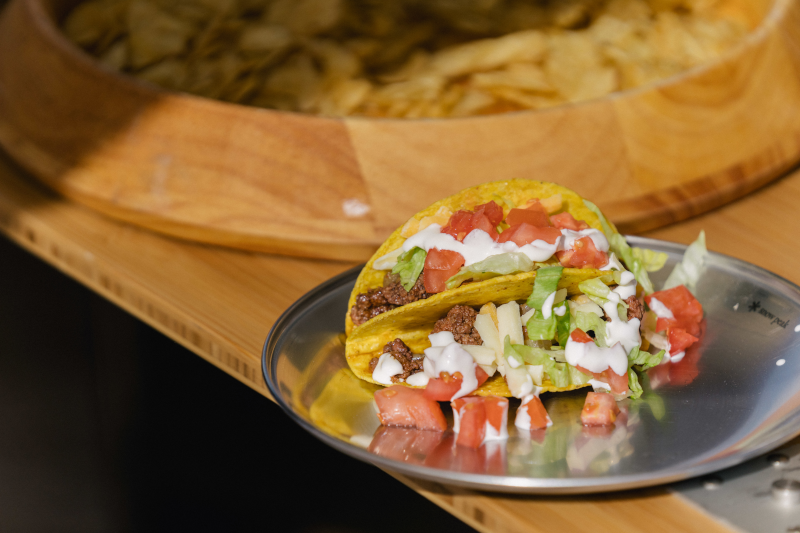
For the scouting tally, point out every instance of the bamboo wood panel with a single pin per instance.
(221, 303)
(281, 182)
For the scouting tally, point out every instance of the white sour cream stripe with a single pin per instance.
(387, 367)
(595, 359)
(661, 310)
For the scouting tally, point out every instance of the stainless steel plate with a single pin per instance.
(734, 396)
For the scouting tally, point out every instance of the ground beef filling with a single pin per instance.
(386, 298)
(411, 363)
(460, 321)
(635, 308)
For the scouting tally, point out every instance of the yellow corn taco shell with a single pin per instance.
(413, 322)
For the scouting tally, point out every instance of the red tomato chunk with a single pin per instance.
(537, 413)
(567, 221)
(401, 406)
(524, 233)
(440, 265)
(533, 216)
(600, 409)
(473, 414)
(688, 312)
(583, 255)
(485, 217)
(443, 388)
(617, 383)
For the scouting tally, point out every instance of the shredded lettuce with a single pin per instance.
(506, 201)
(576, 377)
(633, 384)
(545, 284)
(510, 351)
(492, 266)
(620, 247)
(653, 261)
(592, 322)
(598, 292)
(409, 266)
(688, 271)
(563, 323)
(644, 360)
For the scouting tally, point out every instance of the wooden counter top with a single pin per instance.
(221, 304)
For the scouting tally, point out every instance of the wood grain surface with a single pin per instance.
(220, 304)
(287, 183)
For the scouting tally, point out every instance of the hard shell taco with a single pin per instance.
(501, 273)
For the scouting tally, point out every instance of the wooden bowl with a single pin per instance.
(289, 183)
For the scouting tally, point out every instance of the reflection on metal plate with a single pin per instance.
(729, 400)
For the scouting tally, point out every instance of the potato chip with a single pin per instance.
(404, 59)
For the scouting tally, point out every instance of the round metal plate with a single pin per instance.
(735, 395)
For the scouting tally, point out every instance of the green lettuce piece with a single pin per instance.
(633, 385)
(544, 285)
(598, 292)
(510, 351)
(506, 201)
(409, 266)
(540, 328)
(492, 266)
(576, 377)
(688, 271)
(653, 261)
(592, 322)
(558, 373)
(620, 247)
(644, 360)
(563, 323)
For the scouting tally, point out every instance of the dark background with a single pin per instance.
(107, 425)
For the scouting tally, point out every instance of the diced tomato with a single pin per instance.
(578, 335)
(583, 255)
(492, 211)
(459, 225)
(524, 233)
(688, 312)
(537, 413)
(440, 265)
(485, 217)
(443, 388)
(471, 413)
(534, 215)
(496, 412)
(686, 370)
(402, 406)
(617, 383)
(482, 222)
(567, 221)
(405, 444)
(600, 409)
(679, 340)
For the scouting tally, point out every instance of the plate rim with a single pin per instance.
(511, 484)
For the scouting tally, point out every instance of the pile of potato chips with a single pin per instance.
(402, 58)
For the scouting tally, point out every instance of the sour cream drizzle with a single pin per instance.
(661, 310)
(387, 367)
(523, 418)
(451, 359)
(478, 245)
